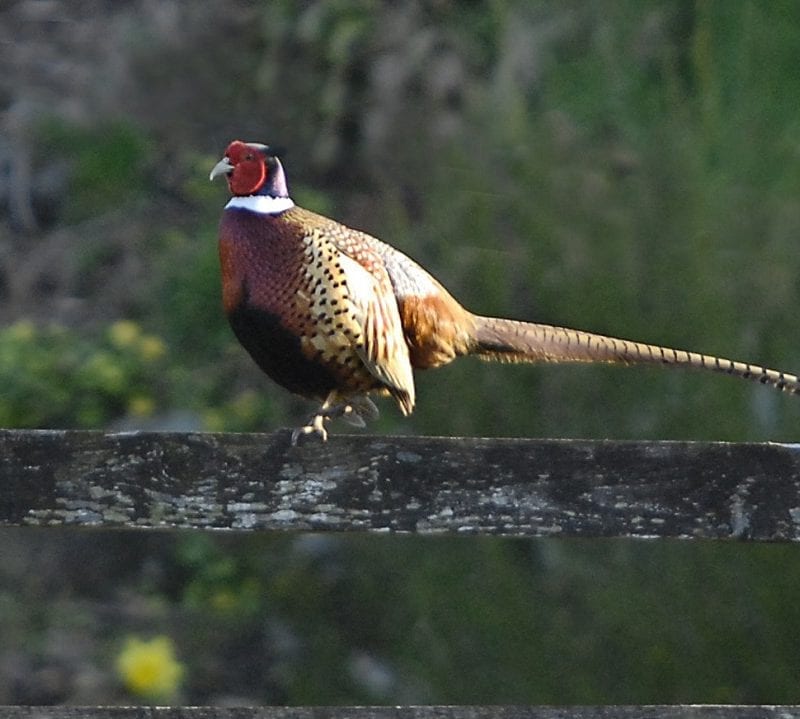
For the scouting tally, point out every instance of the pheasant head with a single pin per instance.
(252, 169)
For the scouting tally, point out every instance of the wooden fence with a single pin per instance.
(523, 488)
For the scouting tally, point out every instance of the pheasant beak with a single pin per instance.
(223, 167)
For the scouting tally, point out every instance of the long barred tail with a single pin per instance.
(511, 341)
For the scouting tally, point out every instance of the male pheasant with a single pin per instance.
(335, 315)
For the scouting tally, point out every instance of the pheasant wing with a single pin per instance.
(383, 349)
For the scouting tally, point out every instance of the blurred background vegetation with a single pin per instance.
(630, 167)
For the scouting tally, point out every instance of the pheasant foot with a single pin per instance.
(355, 412)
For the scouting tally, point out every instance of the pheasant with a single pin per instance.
(335, 315)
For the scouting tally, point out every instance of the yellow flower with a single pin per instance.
(245, 406)
(149, 668)
(214, 420)
(24, 331)
(224, 600)
(151, 348)
(141, 406)
(124, 334)
(105, 371)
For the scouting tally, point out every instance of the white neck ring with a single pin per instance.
(261, 204)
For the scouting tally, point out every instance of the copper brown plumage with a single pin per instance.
(335, 314)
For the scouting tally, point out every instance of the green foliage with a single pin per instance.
(627, 167)
(629, 171)
(218, 583)
(633, 193)
(109, 164)
(54, 377)
(190, 294)
(488, 620)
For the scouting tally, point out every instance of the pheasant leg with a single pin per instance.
(354, 411)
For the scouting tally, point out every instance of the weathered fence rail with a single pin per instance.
(513, 487)
(412, 712)
(426, 485)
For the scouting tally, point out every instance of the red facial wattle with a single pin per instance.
(245, 167)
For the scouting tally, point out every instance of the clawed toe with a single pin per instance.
(316, 425)
(351, 415)
(354, 411)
